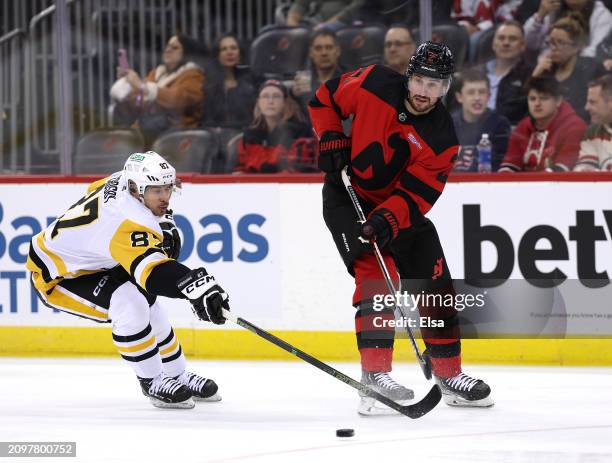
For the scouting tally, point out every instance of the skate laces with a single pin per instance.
(192, 381)
(164, 384)
(462, 382)
(386, 381)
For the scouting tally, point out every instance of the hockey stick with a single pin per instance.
(423, 359)
(412, 411)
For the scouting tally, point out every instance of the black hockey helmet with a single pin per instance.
(432, 60)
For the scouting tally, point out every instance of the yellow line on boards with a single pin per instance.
(325, 345)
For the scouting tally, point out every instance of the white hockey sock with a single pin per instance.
(171, 353)
(140, 350)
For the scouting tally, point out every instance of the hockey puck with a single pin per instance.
(345, 432)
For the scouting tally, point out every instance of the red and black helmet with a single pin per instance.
(432, 60)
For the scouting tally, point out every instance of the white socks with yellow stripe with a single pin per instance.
(140, 349)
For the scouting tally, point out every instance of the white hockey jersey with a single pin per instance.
(106, 227)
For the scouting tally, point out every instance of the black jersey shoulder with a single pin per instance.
(386, 84)
(436, 128)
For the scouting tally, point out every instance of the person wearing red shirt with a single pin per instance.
(269, 145)
(549, 138)
(401, 150)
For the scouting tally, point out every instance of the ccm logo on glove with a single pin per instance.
(202, 280)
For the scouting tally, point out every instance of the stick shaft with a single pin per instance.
(315, 362)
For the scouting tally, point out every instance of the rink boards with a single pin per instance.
(265, 241)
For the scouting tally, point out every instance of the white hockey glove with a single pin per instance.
(172, 240)
(206, 296)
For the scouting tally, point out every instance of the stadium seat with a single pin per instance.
(484, 52)
(280, 51)
(455, 37)
(224, 135)
(105, 151)
(188, 150)
(231, 159)
(361, 46)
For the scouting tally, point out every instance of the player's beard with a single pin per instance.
(421, 104)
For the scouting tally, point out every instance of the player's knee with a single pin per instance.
(129, 308)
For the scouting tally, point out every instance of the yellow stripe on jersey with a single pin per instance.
(57, 260)
(137, 347)
(96, 184)
(171, 348)
(137, 249)
(63, 301)
(37, 279)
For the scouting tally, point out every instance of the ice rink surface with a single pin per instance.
(289, 411)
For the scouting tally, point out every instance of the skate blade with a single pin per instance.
(186, 404)
(455, 401)
(371, 407)
(213, 398)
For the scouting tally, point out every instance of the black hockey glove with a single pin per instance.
(378, 227)
(206, 296)
(172, 240)
(334, 152)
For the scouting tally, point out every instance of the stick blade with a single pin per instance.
(426, 404)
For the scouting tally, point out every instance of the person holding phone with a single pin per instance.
(170, 96)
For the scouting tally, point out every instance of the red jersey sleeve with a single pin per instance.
(569, 145)
(513, 159)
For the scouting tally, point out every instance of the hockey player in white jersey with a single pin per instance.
(108, 257)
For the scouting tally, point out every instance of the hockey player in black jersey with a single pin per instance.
(401, 150)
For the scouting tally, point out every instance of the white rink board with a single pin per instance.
(282, 270)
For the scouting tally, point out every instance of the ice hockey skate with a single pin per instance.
(382, 383)
(202, 389)
(464, 391)
(166, 392)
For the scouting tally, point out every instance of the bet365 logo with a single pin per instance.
(584, 233)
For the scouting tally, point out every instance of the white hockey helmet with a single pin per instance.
(148, 169)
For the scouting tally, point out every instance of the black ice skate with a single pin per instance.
(382, 383)
(465, 391)
(202, 389)
(166, 392)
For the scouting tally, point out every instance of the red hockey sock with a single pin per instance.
(376, 359)
(446, 367)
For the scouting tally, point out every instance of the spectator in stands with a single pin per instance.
(329, 14)
(596, 18)
(549, 138)
(278, 127)
(474, 118)
(389, 12)
(230, 87)
(596, 145)
(324, 53)
(399, 47)
(562, 61)
(506, 10)
(169, 97)
(604, 52)
(476, 16)
(508, 72)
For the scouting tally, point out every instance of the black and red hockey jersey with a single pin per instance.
(400, 162)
